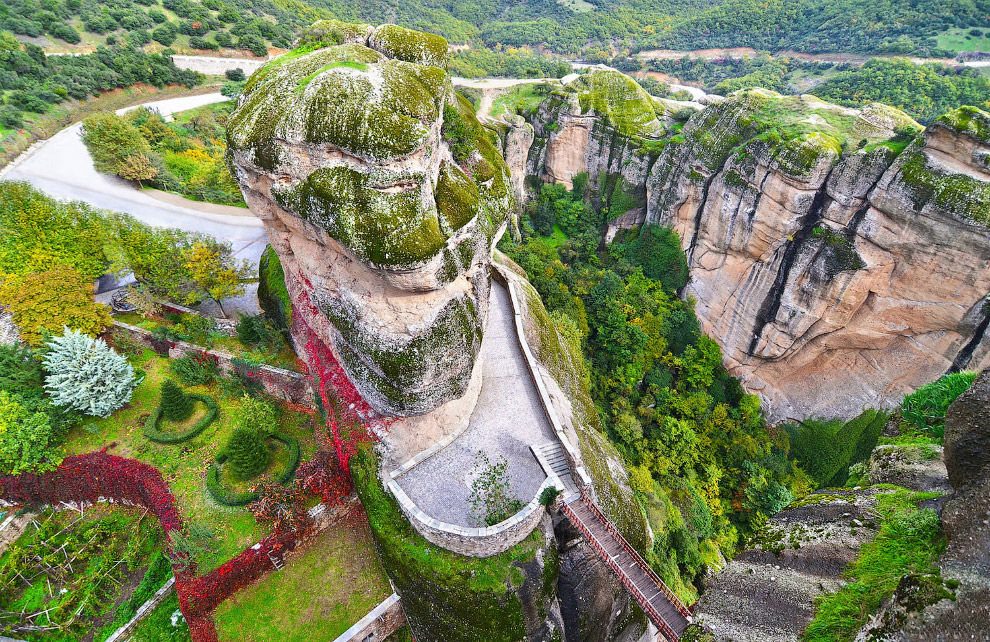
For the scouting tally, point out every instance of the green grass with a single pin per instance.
(924, 409)
(157, 626)
(958, 39)
(909, 541)
(518, 98)
(184, 465)
(320, 593)
(217, 109)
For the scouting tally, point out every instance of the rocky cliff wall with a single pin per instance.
(382, 196)
(602, 124)
(835, 274)
(821, 240)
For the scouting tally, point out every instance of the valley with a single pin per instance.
(579, 356)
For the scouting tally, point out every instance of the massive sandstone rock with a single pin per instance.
(835, 270)
(383, 216)
(601, 124)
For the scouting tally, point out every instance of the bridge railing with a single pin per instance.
(634, 590)
(610, 527)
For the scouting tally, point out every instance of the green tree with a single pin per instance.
(85, 374)
(27, 441)
(111, 141)
(213, 268)
(175, 404)
(247, 453)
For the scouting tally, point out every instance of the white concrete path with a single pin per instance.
(507, 420)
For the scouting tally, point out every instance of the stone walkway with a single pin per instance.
(506, 421)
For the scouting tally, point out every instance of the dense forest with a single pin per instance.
(703, 462)
(889, 27)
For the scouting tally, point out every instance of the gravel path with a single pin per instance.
(507, 420)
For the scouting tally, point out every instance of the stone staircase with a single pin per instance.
(552, 459)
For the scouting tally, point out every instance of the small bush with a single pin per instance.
(195, 370)
(86, 375)
(549, 495)
(236, 75)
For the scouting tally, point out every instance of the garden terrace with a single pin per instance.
(327, 585)
(73, 575)
(183, 465)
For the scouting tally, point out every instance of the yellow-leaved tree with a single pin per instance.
(214, 269)
(47, 302)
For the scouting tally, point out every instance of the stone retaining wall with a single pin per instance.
(476, 542)
(277, 382)
(381, 622)
(217, 66)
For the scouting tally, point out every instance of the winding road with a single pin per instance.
(62, 168)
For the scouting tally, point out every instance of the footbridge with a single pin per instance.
(663, 608)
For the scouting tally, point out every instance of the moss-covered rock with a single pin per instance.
(619, 100)
(373, 179)
(411, 46)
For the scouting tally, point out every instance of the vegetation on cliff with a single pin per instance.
(705, 467)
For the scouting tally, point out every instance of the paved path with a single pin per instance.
(61, 167)
(506, 421)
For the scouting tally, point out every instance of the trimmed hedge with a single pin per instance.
(223, 496)
(152, 432)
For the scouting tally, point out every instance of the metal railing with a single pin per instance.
(634, 590)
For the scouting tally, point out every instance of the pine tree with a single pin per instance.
(247, 453)
(87, 375)
(175, 404)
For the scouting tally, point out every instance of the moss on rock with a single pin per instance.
(934, 186)
(447, 596)
(412, 46)
(620, 101)
(326, 33)
(968, 120)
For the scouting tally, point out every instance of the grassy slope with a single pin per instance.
(320, 593)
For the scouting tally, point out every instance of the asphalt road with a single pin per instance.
(61, 167)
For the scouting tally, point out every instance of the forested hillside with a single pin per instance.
(572, 27)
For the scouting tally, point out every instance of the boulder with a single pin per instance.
(967, 434)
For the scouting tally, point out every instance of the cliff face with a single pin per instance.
(806, 261)
(383, 215)
(602, 124)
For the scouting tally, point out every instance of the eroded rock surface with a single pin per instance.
(601, 124)
(383, 215)
(767, 593)
(809, 260)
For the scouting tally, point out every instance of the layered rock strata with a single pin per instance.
(383, 197)
(837, 264)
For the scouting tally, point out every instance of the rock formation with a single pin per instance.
(818, 247)
(382, 196)
(820, 239)
(602, 124)
(956, 607)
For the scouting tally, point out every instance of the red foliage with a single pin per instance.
(350, 420)
(321, 476)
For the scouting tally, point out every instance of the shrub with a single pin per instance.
(925, 407)
(257, 331)
(175, 404)
(19, 370)
(86, 375)
(549, 495)
(46, 302)
(154, 433)
(236, 75)
(491, 492)
(258, 414)
(28, 443)
(111, 141)
(658, 251)
(195, 370)
(457, 133)
(247, 453)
